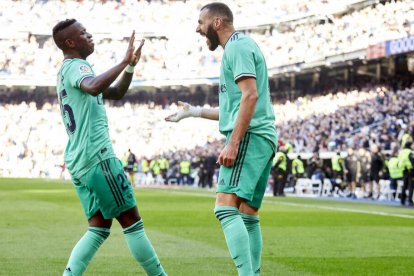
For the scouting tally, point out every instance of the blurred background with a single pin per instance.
(341, 76)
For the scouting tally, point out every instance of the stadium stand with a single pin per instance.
(292, 33)
(341, 77)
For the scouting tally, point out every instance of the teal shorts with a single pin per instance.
(105, 188)
(249, 175)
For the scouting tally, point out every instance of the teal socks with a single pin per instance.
(237, 238)
(142, 250)
(84, 250)
(255, 238)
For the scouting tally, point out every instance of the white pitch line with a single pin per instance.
(343, 209)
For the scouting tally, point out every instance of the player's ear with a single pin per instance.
(217, 23)
(69, 43)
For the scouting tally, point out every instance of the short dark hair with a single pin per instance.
(62, 25)
(219, 9)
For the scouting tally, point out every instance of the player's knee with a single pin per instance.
(249, 210)
(129, 217)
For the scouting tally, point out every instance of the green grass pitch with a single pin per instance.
(42, 220)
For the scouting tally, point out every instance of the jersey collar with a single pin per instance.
(230, 38)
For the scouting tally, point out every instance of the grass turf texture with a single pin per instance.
(42, 220)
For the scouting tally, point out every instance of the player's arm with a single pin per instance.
(187, 110)
(210, 113)
(95, 85)
(118, 91)
(247, 107)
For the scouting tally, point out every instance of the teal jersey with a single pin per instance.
(243, 58)
(84, 117)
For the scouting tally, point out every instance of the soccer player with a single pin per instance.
(97, 174)
(246, 118)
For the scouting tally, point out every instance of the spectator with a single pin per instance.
(406, 164)
(279, 172)
(131, 167)
(377, 165)
(351, 171)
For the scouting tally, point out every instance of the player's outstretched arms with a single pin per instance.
(187, 110)
(96, 85)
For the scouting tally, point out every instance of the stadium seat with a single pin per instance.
(172, 181)
(398, 192)
(316, 186)
(303, 186)
(386, 191)
(327, 187)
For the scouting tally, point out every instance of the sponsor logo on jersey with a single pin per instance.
(85, 70)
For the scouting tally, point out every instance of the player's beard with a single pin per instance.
(212, 36)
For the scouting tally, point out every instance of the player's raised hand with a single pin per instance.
(130, 50)
(132, 57)
(187, 110)
(137, 54)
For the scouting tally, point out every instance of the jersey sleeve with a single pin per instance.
(78, 71)
(241, 59)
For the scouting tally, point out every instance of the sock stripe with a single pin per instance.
(103, 234)
(111, 175)
(250, 219)
(139, 225)
(220, 218)
(222, 214)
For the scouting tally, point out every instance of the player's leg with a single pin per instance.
(83, 252)
(239, 183)
(119, 202)
(97, 233)
(235, 232)
(138, 242)
(250, 216)
(250, 213)
(227, 211)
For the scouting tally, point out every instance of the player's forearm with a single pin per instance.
(247, 107)
(100, 83)
(210, 113)
(121, 87)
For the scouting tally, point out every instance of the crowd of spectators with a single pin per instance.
(174, 50)
(355, 119)
(34, 137)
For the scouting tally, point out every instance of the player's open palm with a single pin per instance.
(186, 110)
(132, 57)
